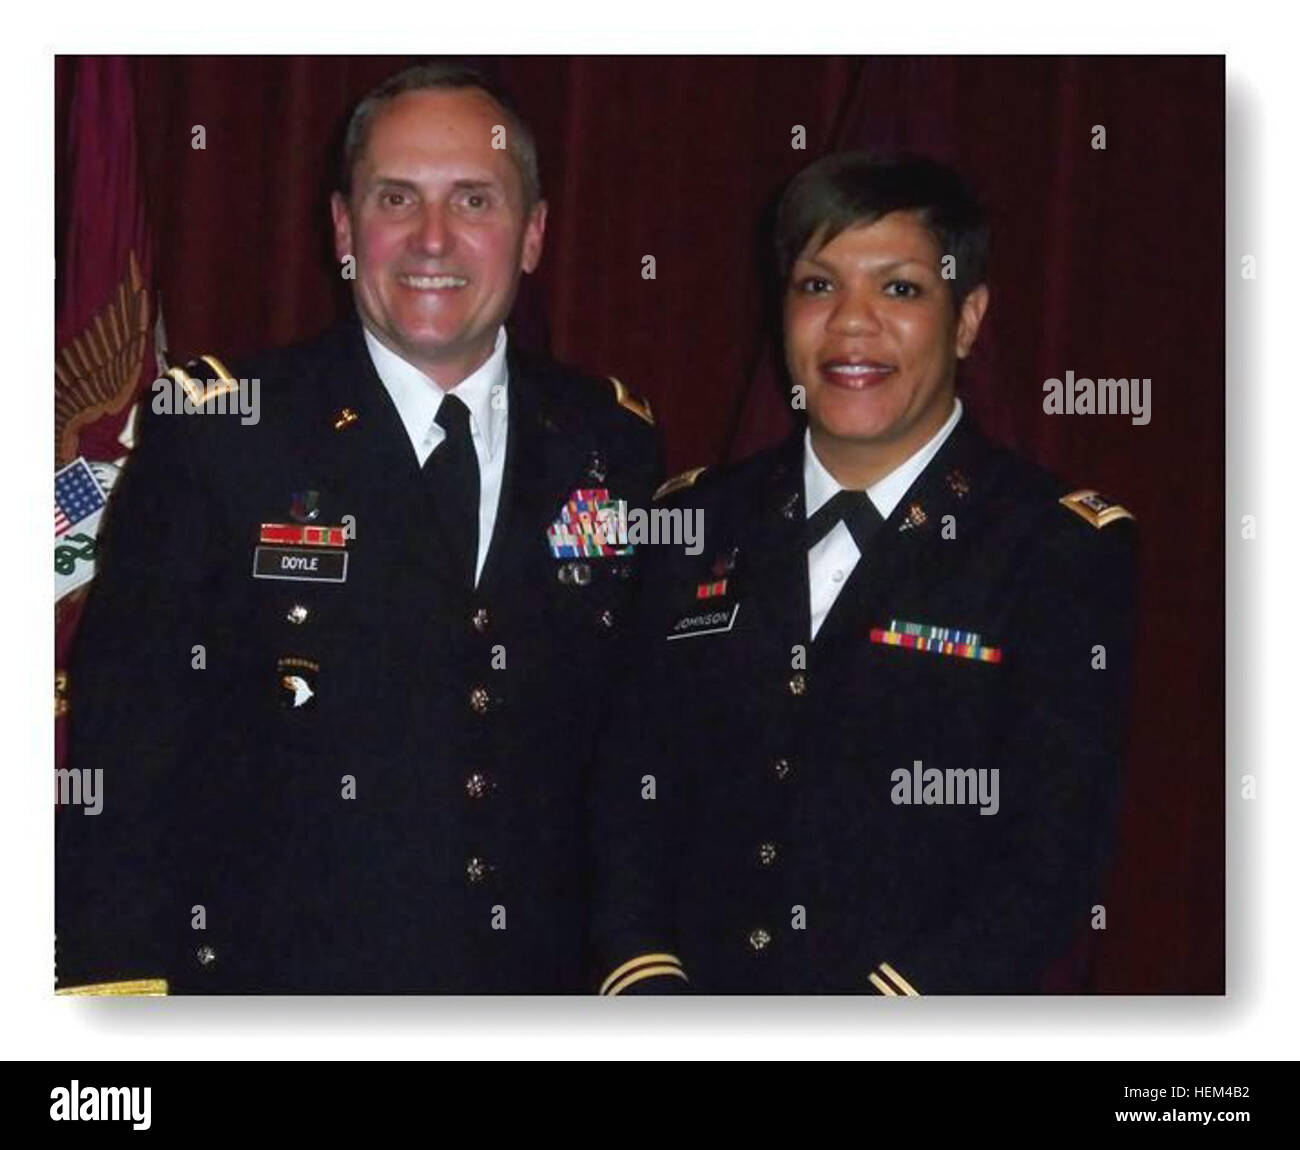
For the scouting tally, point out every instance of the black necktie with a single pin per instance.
(452, 472)
(857, 512)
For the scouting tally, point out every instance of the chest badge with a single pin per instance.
(301, 551)
(704, 621)
(298, 681)
(305, 506)
(725, 562)
(915, 517)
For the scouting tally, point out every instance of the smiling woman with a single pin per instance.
(874, 320)
(893, 597)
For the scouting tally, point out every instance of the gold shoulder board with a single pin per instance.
(201, 390)
(1098, 511)
(679, 482)
(632, 402)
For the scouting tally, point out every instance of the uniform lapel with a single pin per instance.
(373, 450)
(544, 458)
(775, 573)
(909, 547)
(370, 461)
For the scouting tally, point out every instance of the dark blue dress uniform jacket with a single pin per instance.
(463, 724)
(792, 868)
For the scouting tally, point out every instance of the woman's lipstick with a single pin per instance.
(855, 374)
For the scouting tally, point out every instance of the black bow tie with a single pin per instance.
(854, 509)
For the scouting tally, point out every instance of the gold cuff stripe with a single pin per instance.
(147, 987)
(881, 985)
(906, 987)
(640, 960)
(645, 972)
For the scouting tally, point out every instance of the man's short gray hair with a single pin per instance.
(520, 143)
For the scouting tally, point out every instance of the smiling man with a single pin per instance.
(887, 704)
(369, 636)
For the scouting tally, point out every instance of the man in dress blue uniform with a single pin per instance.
(344, 666)
(887, 701)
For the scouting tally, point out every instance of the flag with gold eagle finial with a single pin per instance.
(108, 328)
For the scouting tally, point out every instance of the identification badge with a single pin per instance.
(705, 622)
(300, 563)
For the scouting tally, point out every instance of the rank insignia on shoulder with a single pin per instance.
(679, 482)
(1093, 508)
(201, 390)
(632, 402)
(590, 524)
(937, 640)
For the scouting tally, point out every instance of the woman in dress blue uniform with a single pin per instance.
(885, 706)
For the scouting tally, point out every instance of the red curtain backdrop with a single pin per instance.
(1105, 262)
(105, 306)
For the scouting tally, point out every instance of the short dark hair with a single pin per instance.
(846, 189)
(520, 142)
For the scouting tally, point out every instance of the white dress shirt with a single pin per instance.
(832, 560)
(418, 398)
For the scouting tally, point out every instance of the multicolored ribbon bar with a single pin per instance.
(589, 525)
(944, 634)
(939, 640)
(711, 590)
(303, 535)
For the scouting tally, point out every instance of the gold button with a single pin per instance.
(782, 768)
(206, 955)
(607, 618)
(759, 939)
(477, 870)
(297, 613)
(480, 619)
(766, 854)
(798, 683)
(480, 700)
